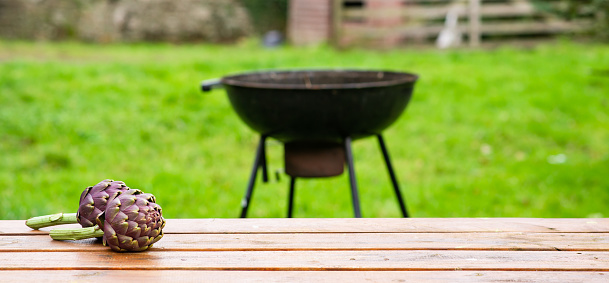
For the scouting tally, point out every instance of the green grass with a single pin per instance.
(479, 138)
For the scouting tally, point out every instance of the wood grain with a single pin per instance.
(387, 225)
(506, 241)
(366, 260)
(335, 250)
(299, 276)
(361, 225)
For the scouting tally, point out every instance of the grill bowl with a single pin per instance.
(319, 105)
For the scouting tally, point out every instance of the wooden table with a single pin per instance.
(329, 250)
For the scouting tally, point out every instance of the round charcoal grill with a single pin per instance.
(316, 114)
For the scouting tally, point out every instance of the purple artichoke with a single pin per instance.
(132, 221)
(93, 200)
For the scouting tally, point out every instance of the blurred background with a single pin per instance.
(509, 118)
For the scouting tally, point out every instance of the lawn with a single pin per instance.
(506, 132)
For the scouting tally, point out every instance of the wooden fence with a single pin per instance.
(389, 23)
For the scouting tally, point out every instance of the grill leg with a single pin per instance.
(258, 160)
(265, 174)
(394, 180)
(291, 197)
(352, 180)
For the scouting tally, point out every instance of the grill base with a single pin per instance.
(306, 160)
(312, 160)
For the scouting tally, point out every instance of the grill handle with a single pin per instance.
(208, 85)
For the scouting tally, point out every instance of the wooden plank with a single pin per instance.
(311, 6)
(514, 9)
(501, 28)
(474, 23)
(515, 241)
(298, 276)
(423, 13)
(310, 260)
(311, 23)
(436, 12)
(426, 1)
(386, 225)
(337, 19)
(361, 225)
(522, 28)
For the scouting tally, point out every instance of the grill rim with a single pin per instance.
(400, 78)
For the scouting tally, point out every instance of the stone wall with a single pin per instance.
(124, 20)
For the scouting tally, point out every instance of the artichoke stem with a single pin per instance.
(76, 234)
(51, 220)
